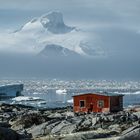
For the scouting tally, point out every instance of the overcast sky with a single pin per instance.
(113, 24)
(123, 13)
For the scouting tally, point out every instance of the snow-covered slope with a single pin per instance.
(50, 30)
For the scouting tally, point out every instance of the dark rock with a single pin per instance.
(123, 119)
(133, 118)
(8, 134)
(23, 134)
(27, 121)
(4, 124)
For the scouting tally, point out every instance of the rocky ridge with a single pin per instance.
(26, 123)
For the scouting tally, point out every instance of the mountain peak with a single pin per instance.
(53, 22)
(54, 16)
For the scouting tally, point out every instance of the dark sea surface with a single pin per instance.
(52, 93)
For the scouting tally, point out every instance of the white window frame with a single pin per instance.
(102, 102)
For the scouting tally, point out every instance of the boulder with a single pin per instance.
(38, 130)
(115, 127)
(68, 129)
(133, 118)
(55, 115)
(95, 120)
(110, 118)
(132, 133)
(68, 114)
(43, 129)
(86, 123)
(137, 114)
(57, 129)
(76, 120)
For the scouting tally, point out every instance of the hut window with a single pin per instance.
(100, 103)
(82, 103)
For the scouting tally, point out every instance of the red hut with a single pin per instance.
(98, 102)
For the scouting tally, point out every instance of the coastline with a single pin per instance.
(27, 123)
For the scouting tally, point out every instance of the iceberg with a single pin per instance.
(10, 91)
(70, 101)
(61, 91)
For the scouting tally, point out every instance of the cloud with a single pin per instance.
(121, 13)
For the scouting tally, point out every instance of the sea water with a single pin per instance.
(52, 93)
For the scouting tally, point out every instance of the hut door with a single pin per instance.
(90, 109)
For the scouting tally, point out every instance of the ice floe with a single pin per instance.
(25, 98)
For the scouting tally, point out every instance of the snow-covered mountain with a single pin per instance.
(52, 22)
(50, 30)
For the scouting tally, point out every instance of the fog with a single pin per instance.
(68, 68)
